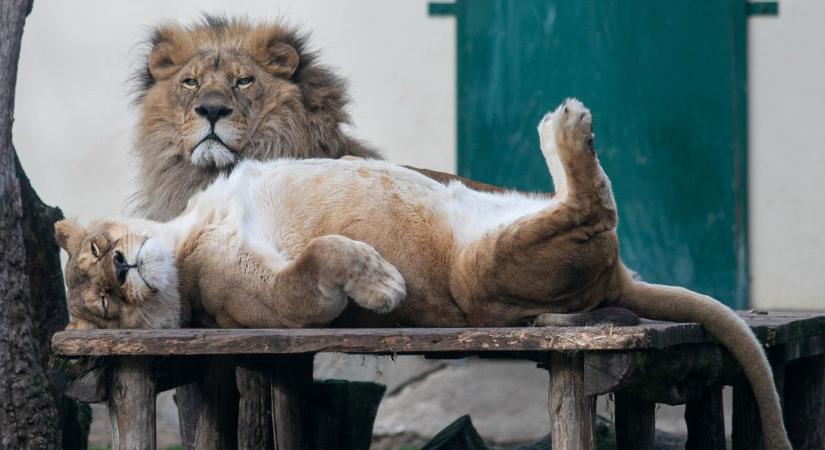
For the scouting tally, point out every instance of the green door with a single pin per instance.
(665, 81)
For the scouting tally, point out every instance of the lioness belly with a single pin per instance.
(417, 224)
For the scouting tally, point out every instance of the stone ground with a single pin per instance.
(507, 400)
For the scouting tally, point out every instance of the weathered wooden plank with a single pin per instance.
(572, 411)
(291, 378)
(804, 406)
(779, 327)
(635, 422)
(132, 405)
(650, 335)
(705, 421)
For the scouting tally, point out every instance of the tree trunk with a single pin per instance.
(32, 299)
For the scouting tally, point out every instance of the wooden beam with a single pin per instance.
(291, 378)
(215, 400)
(804, 406)
(635, 422)
(254, 410)
(87, 379)
(572, 412)
(132, 405)
(747, 429)
(706, 421)
(654, 372)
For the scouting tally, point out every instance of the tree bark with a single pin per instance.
(28, 413)
(32, 302)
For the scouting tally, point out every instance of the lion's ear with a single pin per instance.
(171, 49)
(69, 235)
(266, 45)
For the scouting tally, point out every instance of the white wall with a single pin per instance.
(73, 119)
(786, 107)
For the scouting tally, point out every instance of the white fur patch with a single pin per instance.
(156, 272)
(471, 213)
(211, 153)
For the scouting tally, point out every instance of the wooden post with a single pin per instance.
(706, 421)
(132, 404)
(635, 422)
(214, 402)
(747, 429)
(254, 410)
(804, 406)
(291, 378)
(572, 412)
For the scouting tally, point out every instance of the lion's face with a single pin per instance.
(118, 276)
(224, 94)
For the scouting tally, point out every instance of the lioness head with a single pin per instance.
(118, 276)
(222, 90)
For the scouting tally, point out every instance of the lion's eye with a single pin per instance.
(95, 250)
(245, 81)
(190, 83)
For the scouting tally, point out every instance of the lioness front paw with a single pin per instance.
(374, 283)
(568, 127)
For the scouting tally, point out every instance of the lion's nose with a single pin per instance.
(213, 110)
(121, 267)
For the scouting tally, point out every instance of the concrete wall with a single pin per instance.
(73, 119)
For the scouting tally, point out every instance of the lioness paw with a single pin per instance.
(80, 324)
(374, 283)
(569, 126)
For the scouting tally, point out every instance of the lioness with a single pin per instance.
(286, 243)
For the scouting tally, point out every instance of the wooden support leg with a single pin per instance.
(805, 403)
(132, 404)
(291, 379)
(747, 429)
(213, 405)
(572, 412)
(635, 422)
(254, 411)
(706, 421)
(747, 426)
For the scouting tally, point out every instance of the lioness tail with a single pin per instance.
(677, 304)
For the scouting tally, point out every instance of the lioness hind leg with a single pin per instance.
(313, 289)
(549, 260)
(361, 273)
(566, 138)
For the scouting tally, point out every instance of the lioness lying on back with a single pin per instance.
(286, 243)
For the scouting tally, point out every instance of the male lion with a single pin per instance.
(225, 90)
(286, 243)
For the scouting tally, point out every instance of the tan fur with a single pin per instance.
(295, 107)
(352, 228)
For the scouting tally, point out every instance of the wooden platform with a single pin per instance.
(655, 362)
(772, 329)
